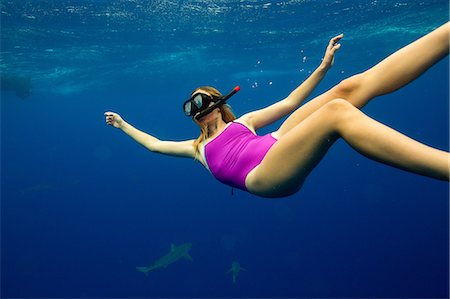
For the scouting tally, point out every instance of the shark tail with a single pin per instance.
(144, 270)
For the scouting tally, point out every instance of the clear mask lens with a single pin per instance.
(198, 101)
(188, 108)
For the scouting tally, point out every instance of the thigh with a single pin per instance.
(351, 89)
(290, 160)
(305, 111)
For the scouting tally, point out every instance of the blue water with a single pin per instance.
(82, 204)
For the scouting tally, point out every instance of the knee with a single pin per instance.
(338, 110)
(338, 106)
(346, 87)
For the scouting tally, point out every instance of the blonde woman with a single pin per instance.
(277, 164)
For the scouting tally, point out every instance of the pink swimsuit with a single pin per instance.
(235, 152)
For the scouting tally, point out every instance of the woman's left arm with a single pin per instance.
(263, 117)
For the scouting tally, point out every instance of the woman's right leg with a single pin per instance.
(390, 74)
(294, 155)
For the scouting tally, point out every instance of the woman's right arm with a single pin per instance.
(263, 117)
(172, 148)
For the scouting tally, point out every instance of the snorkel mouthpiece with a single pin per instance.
(218, 103)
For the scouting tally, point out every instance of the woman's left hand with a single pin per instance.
(333, 46)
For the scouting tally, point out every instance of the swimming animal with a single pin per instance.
(235, 269)
(174, 255)
(21, 85)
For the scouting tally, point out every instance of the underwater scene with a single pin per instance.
(86, 212)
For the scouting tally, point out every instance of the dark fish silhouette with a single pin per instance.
(21, 85)
(175, 253)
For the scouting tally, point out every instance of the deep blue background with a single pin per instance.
(82, 204)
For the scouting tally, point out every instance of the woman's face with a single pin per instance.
(212, 116)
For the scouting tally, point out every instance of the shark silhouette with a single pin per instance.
(21, 85)
(235, 269)
(174, 255)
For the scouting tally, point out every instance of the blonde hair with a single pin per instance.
(225, 111)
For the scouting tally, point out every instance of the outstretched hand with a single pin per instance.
(114, 119)
(333, 46)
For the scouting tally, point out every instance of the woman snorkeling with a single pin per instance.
(277, 164)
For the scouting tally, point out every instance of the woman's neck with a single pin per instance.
(215, 127)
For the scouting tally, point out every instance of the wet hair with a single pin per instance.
(225, 111)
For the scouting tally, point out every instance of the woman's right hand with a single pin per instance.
(114, 119)
(333, 46)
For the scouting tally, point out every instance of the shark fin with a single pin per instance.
(172, 247)
(243, 269)
(188, 257)
(231, 269)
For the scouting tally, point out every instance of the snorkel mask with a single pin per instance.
(200, 102)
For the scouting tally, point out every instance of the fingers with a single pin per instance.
(109, 117)
(337, 37)
(110, 120)
(333, 44)
(335, 48)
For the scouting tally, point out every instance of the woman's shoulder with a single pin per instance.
(243, 121)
